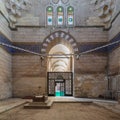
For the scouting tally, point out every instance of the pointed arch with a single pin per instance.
(62, 37)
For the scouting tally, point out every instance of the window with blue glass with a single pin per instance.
(70, 16)
(60, 15)
(49, 15)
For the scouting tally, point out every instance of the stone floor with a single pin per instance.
(8, 104)
(107, 104)
(62, 111)
(64, 108)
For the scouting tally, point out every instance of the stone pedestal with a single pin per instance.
(40, 98)
(39, 102)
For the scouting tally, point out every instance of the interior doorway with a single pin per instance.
(60, 69)
(60, 83)
(59, 89)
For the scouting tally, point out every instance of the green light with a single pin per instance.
(49, 9)
(70, 9)
(60, 9)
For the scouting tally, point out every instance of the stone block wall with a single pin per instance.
(115, 29)
(91, 63)
(114, 58)
(90, 35)
(27, 78)
(114, 62)
(29, 72)
(5, 74)
(28, 75)
(90, 85)
(115, 26)
(4, 24)
(114, 72)
(32, 34)
(83, 11)
(81, 35)
(5, 56)
(90, 75)
(4, 27)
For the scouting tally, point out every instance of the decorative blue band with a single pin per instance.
(90, 46)
(5, 40)
(36, 47)
(112, 47)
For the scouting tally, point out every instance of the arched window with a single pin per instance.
(49, 12)
(70, 15)
(60, 15)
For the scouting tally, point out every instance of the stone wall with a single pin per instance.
(31, 34)
(27, 78)
(114, 54)
(5, 74)
(91, 63)
(114, 62)
(28, 71)
(115, 26)
(83, 10)
(5, 56)
(81, 35)
(4, 27)
(90, 73)
(115, 29)
(4, 24)
(93, 34)
(90, 85)
(114, 71)
(28, 75)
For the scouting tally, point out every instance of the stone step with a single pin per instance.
(39, 105)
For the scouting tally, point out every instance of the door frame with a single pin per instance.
(53, 94)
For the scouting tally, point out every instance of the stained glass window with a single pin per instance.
(49, 15)
(70, 15)
(60, 15)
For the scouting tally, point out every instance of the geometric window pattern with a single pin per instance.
(70, 15)
(49, 15)
(60, 15)
(68, 82)
(60, 18)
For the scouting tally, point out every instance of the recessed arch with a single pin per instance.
(58, 61)
(58, 64)
(59, 37)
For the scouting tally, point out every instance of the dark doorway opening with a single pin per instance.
(60, 83)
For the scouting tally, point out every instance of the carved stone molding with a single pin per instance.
(55, 1)
(105, 9)
(15, 7)
(65, 1)
(60, 1)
